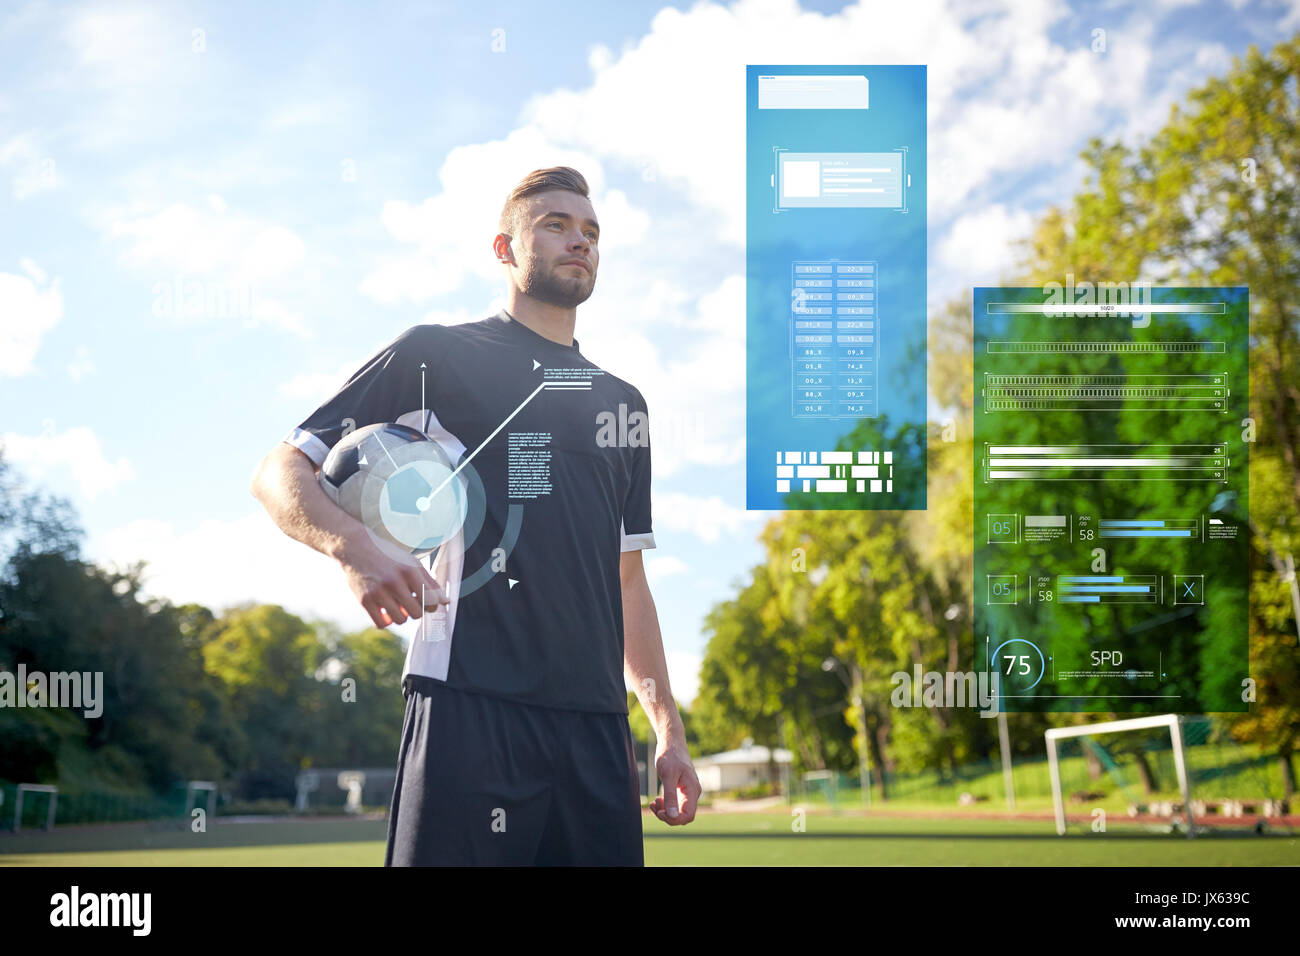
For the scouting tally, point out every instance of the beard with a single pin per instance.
(545, 285)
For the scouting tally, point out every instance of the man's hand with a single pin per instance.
(673, 765)
(389, 590)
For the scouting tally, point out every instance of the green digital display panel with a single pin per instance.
(1111, 497)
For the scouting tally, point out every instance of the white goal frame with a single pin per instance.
(192, 789)
(832, 791)
(35, 788)
(1173, 721)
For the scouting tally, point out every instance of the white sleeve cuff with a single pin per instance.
(309, 445)
(635, 542)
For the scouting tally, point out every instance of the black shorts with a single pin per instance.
(487, 781)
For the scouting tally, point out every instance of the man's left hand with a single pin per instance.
(673, 765)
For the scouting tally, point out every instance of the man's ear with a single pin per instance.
(501, 248)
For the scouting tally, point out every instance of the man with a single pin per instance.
(515, 745)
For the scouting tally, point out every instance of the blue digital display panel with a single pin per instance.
(1111, 464)
(835, 265)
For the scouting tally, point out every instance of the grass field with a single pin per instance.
(714, 839)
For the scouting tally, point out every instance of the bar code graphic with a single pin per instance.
(835, 472)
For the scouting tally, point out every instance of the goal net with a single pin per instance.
(1170, 772)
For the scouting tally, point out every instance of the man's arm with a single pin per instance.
(285, 483)
(647, 671)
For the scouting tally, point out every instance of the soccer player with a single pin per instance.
(515, 745)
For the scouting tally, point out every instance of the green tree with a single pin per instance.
(362, 706)
(1211, 199)
(266, 661)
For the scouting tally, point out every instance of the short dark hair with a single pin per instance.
(539, 181)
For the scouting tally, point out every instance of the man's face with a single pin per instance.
(557, 255)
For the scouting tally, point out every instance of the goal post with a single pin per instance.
(823, 776)
(192, 789)
(1172, 721)
(53, 793)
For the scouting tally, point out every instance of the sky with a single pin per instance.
(326, 175)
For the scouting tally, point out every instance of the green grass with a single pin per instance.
(742, 839)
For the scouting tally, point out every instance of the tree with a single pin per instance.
(266, 660)
(363, 708)
(1211, 199)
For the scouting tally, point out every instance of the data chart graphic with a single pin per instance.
(1111, 451)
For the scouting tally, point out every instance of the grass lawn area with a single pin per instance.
(715, 839)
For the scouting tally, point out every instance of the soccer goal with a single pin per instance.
(823, 780)
(1173, 722)
(24, 788)
(192, 790)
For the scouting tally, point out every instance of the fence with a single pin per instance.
(1114, 773)
(88, 806)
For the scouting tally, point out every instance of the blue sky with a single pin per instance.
(327, 175)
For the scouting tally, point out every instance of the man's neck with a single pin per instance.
(553, 322)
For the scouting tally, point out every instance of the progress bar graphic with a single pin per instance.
(1150, 528)
(1108, 589)
(1097, 462)
(1127, 393)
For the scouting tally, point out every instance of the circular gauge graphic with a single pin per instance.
(402, 487)
(1019, 663)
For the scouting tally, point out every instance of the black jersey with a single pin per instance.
(558, 450)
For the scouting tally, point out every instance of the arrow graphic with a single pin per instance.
(375, 436)
(466, 460)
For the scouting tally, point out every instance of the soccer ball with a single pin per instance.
(399, 484)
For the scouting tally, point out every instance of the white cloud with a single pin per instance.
(74, 454)
(81, 364)
(706, 518)
(1213, 58)
(119, 46)
(275, 313)
(658, 568)
(411, 278)
(305, 113)
(33, 171)
(319, 386)
(203, 241)
(212, 262)
(274, 250)
(696, 391)
(29, 307)
(989, 69)
(979, 247)
(1291, 19)
(34, 271)
(220, 563)
(684, 675)
(133, 67)
(475, 181)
